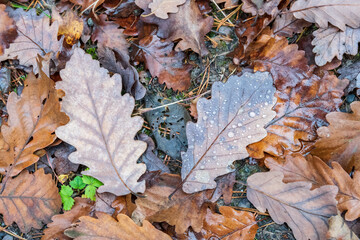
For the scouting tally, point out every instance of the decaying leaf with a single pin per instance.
(165, 63)
(71, 26)
(340, 13)
(293, 203)
(182, 211)
(340, 141)
(106, 227)
(338, 229)
(61, 222)
(161, 8)
(228, 3)
(181, 26)
(8, 31)
(33, 118)
(30, 200)
(85, 4)
(286, 25)
(224, 187)
(300, 110)
(101, 127)
(260, 7)
(351, 72)
(313, 170)
(332, 42)
(35, 36)
(229, 225)
(232, 119)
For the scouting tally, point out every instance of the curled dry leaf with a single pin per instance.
(313, 170)
(332, 42)
(161, 8)
(229, 225)
(60, 222)
(299, 111)
(33, 118)
(8, 31)
(106, 227)
(165, 63)
(293, 203)
(224, 187)
(101, 127)
(286, 25)
(181, 26)
(30, 200)
(35, 36)
(340, 141)
(70, 26)
(182, 211)
(260, 7)
(232, 119)
(340, 13)
(338, 229)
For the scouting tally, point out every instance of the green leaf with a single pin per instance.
(77, 183)
(66, 199)
(90, 191)
(92, 181)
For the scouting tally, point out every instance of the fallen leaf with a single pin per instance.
(106, 227)
(61, 162)
(165, 63)
(85, 4)
(129, 24)
(182, 211)
(340, 141)
(229, 225)
(332, 42)
(181, 26)
(153, 163)
(228, 3)
(339, 230)
(351, 72)
(286, 25)
(30, 200)
(101, 127)
(340, 13)
(118, 62)
(232, 119)
(313, 170)
(35, 36)
(224, 187)
(33, 118)
(293, 203)
(260, 7)
(300, 110)
(8, 31)
(124, 205)
(70, 26)
(161, 8)
(104, 202)
(60, 222)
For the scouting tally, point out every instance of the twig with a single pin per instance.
(11, 233)
(217, 6)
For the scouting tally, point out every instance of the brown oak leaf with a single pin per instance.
(30, 200)
(165, 63)
(101, 127)
(182, 211)
(293, 203)
(260, 7)
(33, 118)
(161, 8)
(106, 227)
(228, 3)
(300, 110)
(61, 222)
(340, 141)
(35, 36)
(233, 118)
(8, 31)
(286, 25)
(181, 26)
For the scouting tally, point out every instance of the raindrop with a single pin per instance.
(249, 136)
(266, 103)
(204, 118)
(234, 126)
(267, 96)
(202, 167)
(231, 134)
(257, 125)
(252, 114)
(214, 157)
(264, 116)
(239, 124)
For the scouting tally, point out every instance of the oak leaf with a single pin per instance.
(340, 141)
(101, 127)
(30, 200)
(332, 42)
(182, 211)
(181, 26)
(232, 119)
(8, 31)
(260, 7)
(300, 110)
(313, 170)
(33, 118)
(106, 227)
(293, 203)
(340, 13)
(165, 63)
(338, 229)
(60, 222)
(286, 25)
(229, 225)
(86, 4)
(161, 8)
(228, 3)
(35, 36)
